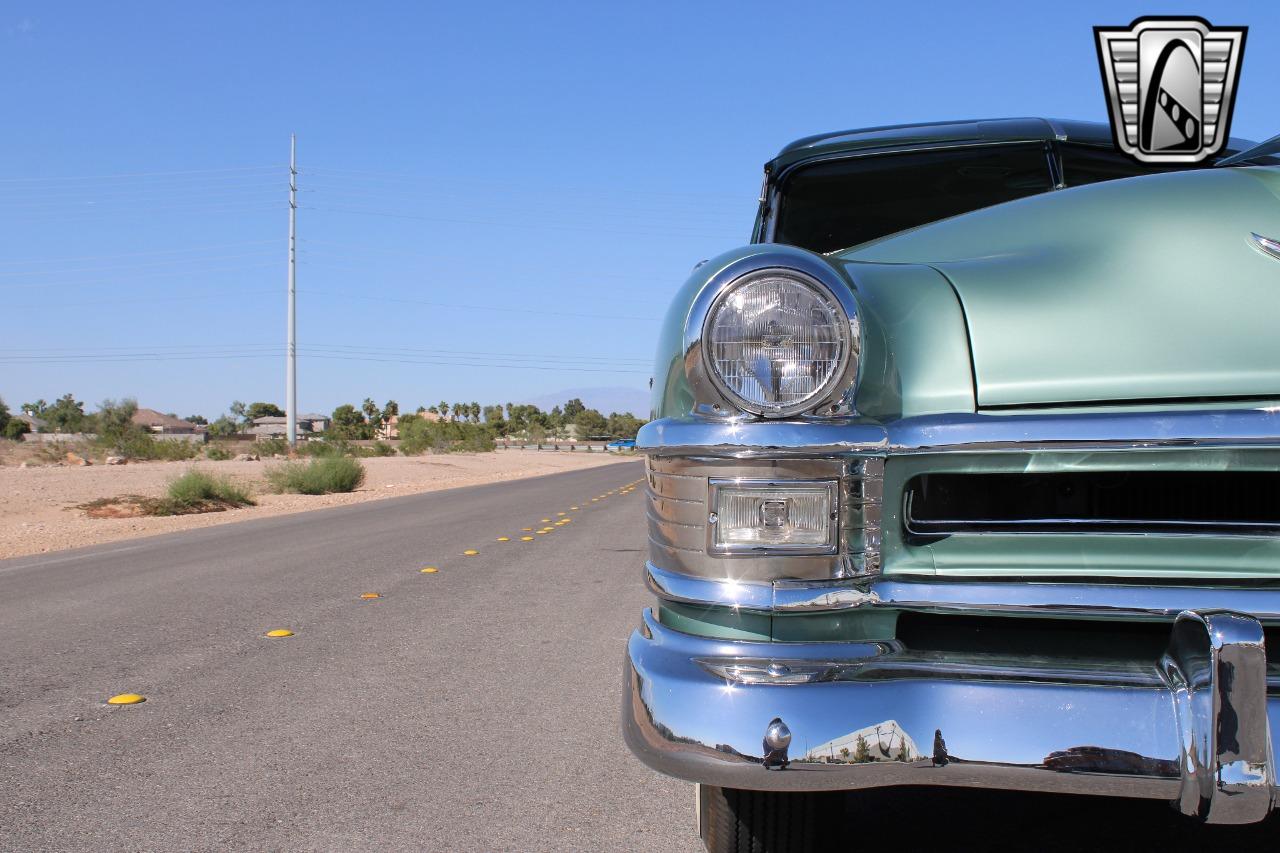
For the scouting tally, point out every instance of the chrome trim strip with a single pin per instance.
(1020, 597)
(1266, 245)
(964, 432)
(1192, 728)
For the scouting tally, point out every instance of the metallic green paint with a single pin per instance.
(1137, 289)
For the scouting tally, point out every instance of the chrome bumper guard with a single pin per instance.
(1192, 728)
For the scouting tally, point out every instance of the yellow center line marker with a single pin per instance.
(573, 508)
(371, 595)
(280, 632)
(504, 538)
(545, 520)
(526, 538)
(470, 552)
(429, 570)
(561, 513)
(126, 699)
(526, 529)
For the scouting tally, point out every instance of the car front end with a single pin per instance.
(906, 528)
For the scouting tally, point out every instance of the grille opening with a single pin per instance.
(1065, 639)
(1208, 502)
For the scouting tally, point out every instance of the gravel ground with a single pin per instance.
(38, 510)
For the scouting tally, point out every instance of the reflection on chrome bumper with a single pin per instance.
(1192, 728)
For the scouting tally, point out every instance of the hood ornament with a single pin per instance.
(1266, 245)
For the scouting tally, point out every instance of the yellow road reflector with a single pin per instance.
(126, 699)
(504, 538)
(526, 529)
(559, 524)
(545, 520)
(280, 632)
(543, 532)
(526, 538)
(371, 595)
(593, 500)
(562, 513)
(573, 508)
(429, 570)
(470, 552)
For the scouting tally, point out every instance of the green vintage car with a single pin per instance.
(966, 472)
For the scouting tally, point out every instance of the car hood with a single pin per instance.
(1138, 289)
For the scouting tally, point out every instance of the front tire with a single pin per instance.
(737, 821)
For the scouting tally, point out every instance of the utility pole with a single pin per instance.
(291, 368)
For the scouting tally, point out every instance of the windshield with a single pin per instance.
(841, 203)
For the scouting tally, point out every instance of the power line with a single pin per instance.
(171, 262)
(513, 309)
(325, 347)
(39, 285)
(135, 174)
(522, 225)
(140, 254)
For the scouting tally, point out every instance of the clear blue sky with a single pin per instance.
(477, 178)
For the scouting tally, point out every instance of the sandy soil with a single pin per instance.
(38, 505)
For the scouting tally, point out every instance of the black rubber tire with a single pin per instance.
(737, 821)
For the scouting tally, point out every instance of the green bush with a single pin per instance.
(418, 436)
(271, 446)
(320, 476)
(137, 444)
(15, 429)
(196, 487)
(218, 453)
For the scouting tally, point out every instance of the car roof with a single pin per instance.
(898, 137)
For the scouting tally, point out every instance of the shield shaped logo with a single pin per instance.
(1170, 84)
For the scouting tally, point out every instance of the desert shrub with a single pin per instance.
(418, 436)
(327, 446)
(15, 429)
(196, 486)
(378, 448)
(141, 445)
(271, 446)
(218, 453)
(320, 476)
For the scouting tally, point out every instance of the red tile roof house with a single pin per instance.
(167, 426)
(157, 422)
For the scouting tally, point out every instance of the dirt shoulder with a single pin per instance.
(38, 505)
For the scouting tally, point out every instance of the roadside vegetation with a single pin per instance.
(363, 431)
(320, 476)
(193, 492)
(418, 436)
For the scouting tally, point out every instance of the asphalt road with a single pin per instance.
(475, 708)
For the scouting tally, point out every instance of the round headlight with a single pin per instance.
(776, 341)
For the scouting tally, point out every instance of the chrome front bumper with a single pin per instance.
(1192, 728)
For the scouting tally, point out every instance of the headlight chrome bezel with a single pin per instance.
(712, 396)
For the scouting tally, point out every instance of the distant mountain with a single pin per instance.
(604, 400)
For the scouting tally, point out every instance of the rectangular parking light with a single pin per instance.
(769, 516)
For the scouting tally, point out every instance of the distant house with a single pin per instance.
(274, 426)
(319, 423)
(36, 424)
(158, 422)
